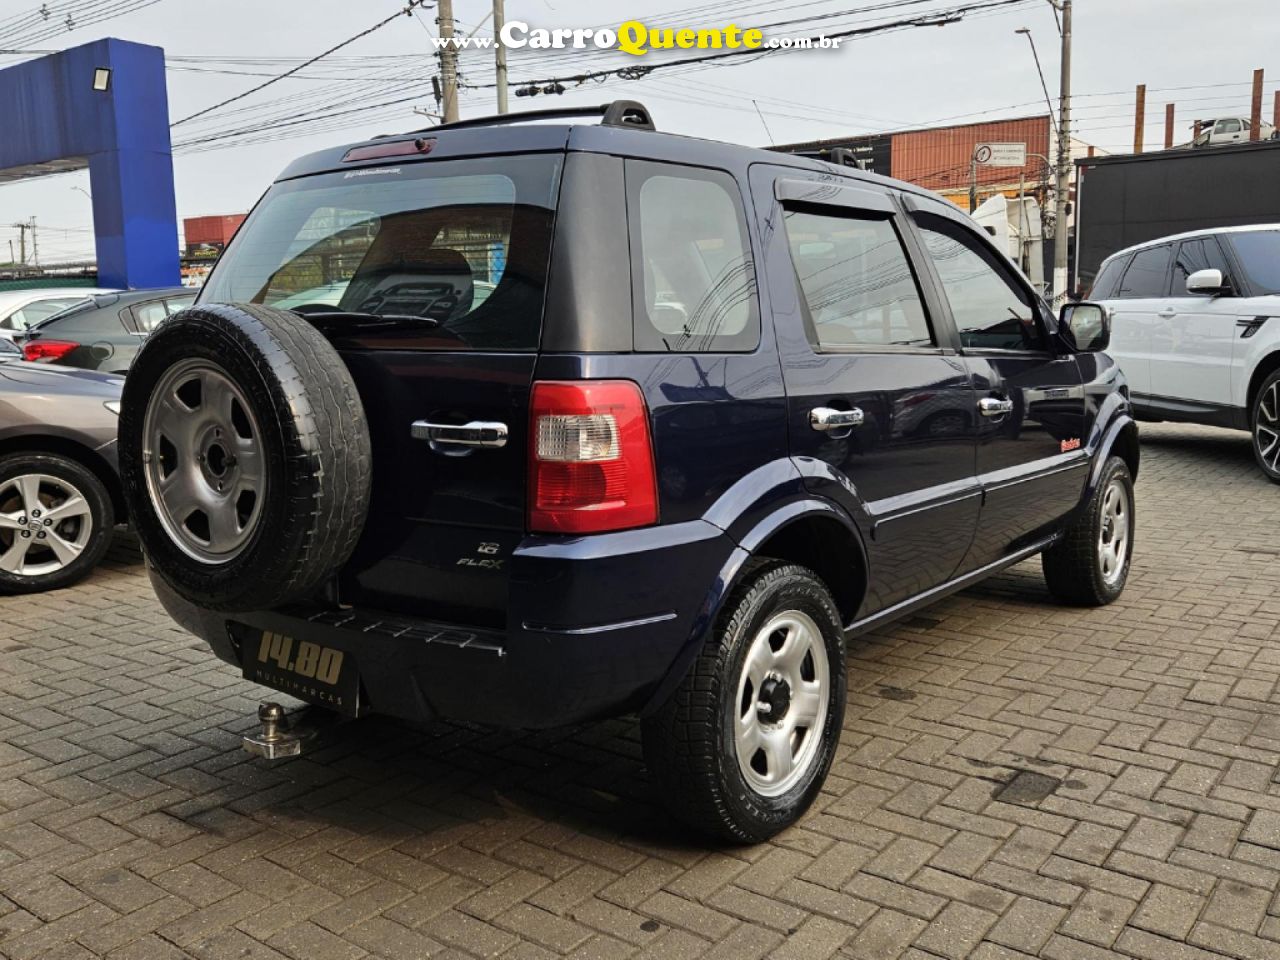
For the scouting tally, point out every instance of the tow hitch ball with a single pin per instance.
(281, 737)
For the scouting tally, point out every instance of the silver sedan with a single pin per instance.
(59, 483)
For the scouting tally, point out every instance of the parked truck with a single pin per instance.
(1130, 199)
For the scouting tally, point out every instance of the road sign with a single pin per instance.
(1001, 154)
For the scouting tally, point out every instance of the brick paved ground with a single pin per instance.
(1015, 780)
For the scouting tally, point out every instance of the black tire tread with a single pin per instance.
(327, 452)
(681, 739)
(1071, 569)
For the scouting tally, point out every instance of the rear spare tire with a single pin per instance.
(245, 456)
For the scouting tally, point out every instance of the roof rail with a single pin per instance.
(619, 113)
(840, 156)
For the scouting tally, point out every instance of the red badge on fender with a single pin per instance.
(1069, 445)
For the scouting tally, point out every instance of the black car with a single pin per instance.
(104, 331)
(60, 493)
(716, 410)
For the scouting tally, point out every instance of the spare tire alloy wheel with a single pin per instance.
(55, 522)
(203, 461)
(245, 456)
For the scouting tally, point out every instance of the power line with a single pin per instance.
(407, 11)
(948, 16)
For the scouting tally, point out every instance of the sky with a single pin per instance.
(1199, 55)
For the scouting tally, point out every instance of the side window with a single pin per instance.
(1227, 126)
(174, 304)
(857, 281)
(1147, 276)
(1104, 287)
(149, 315)
(694, 278)
(1193, 255)
(992, 310)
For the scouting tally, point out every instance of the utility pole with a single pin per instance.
(448, 61)
(500, 52)
(22, 227)
(1060, 272)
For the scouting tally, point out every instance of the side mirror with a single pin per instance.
(1210, 282)
(1087, 324)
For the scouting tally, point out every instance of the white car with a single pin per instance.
(1195, 325)
(20, 309)
(1215, 133)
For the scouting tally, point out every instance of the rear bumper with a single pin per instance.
(595, 624)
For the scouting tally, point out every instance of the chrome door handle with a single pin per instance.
(826, 419)
(477, 433)
(1167, 313)
(995, 407)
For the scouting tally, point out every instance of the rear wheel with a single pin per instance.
(1090, 564)
(1266, 427)
(743, 746)
(55, 522)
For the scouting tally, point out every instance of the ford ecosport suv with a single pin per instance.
(588, 420)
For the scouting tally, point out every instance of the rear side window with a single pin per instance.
(1147, 276)
(858, 287)
(454, 250)
(695, 288)
(1193, 256)
(149, 315)
(1108, 280)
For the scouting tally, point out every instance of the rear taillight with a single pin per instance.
(591, 459)
(47, 349)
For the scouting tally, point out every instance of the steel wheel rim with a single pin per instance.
(1113, 539)
(45, 524)
(1266, 428)
(204, 461)
(775, 753)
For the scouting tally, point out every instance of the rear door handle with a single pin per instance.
(1167, 313)
(995, 407)
(825, 419)
(477, 433)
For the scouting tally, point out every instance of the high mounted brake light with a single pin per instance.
(591, 458)
(397, 148)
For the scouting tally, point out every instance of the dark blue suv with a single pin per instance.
(535, 423)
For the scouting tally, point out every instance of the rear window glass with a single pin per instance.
(695, 278)
(1147, 276)
(1259, 255)
(34, 313)
(457, 247)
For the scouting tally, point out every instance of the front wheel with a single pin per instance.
(1266, 427)
(743, 746)
(1089, 565)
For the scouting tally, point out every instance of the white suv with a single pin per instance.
(1196, 329)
